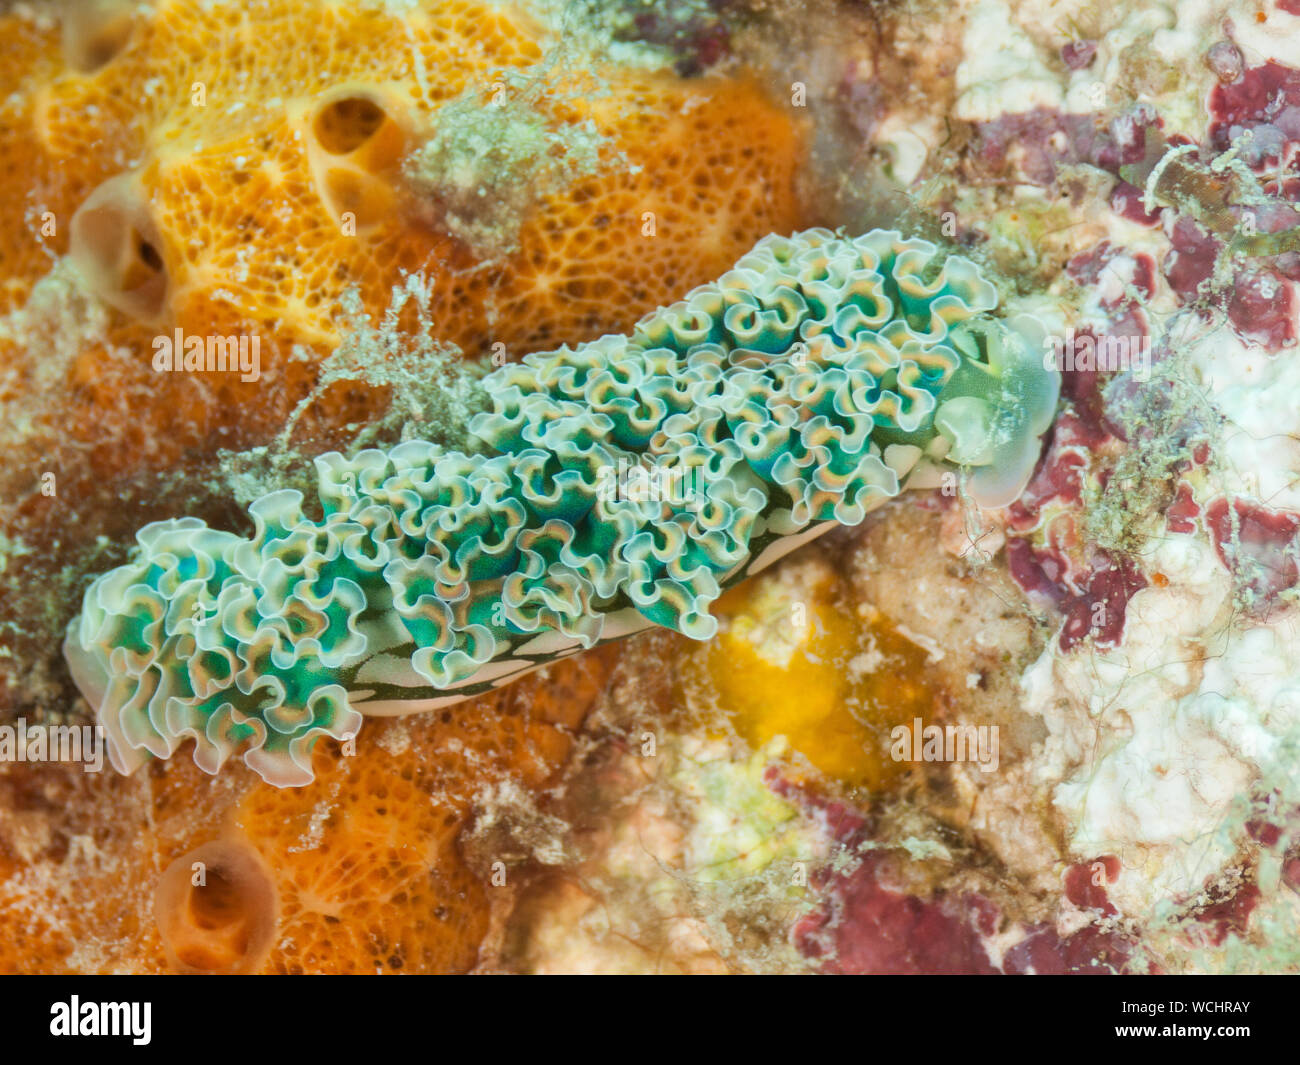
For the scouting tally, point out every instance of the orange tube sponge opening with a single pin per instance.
(118, 249)
(217, 909)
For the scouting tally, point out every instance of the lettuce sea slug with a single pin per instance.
(622, 484)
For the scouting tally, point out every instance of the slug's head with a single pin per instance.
(995, 408)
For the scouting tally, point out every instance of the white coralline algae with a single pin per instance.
(1157, 746)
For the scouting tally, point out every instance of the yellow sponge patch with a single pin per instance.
(792, 662)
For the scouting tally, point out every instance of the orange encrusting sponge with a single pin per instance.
(239, 165)
(359, 872)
